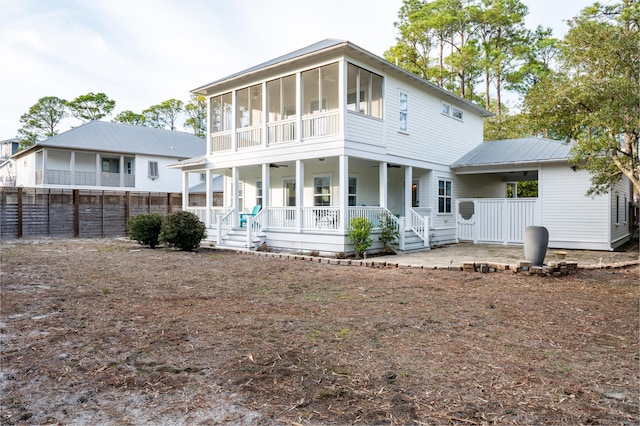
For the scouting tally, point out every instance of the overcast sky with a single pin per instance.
(143, 52)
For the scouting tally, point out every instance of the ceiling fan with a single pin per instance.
(277, 166)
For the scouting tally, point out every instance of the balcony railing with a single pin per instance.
(58, 177)
(249, 137)
(221, 141)
(282, 131)
(278, 132)
(319, 125)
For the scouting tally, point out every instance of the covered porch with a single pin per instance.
(307, 205)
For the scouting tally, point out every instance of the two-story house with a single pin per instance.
(328, 133)
(106, 156)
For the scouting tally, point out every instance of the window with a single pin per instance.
(110, 165)
(444, 196)
(259, 193)
(221, 108)
(625, 207)
(404, 108)
(451, 111)
(203, 177)
(249, 106)
(353, 190)
(153, 169)
(617, 209)
(322, 191)
(364, 91)
(281, 98)
(320, 89)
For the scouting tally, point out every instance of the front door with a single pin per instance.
(415, 193)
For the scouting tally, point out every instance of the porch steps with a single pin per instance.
(412, 242)
(236, 239)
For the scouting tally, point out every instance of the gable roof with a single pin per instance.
(330, 45)
(120, 138)
(515, 151)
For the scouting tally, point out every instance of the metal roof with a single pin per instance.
(120, 138)
(330, 43)
(515, 151)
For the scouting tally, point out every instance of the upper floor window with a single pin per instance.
(249, 106)
(444, 196)
(404, 110)
(221, 112)
(364, 91)
(153, 169)
(320, 89)
(451, 111)
(111, 165)
(281, 98)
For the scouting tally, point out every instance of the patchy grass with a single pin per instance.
(219, 337)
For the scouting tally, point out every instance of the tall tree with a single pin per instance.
(92, 106)
(41, 120)
(164, 115)
(196, 109)
(595, 101)
(129, 117)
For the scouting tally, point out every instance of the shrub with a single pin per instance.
(145, 229)
(182, 230)
(389, 233)
(360, 234)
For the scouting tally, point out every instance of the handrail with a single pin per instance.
(255, 225)
(225, 224)
(420, 226)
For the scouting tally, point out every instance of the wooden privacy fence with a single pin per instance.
(38, 212)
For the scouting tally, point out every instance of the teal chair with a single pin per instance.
(243, 216)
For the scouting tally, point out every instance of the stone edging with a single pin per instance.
(522, 267)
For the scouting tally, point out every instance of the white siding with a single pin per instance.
(169, 180)
(431, 136)
(573, 219)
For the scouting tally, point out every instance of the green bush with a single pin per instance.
(389, 233)
(182, 230)
(360, 234)
(145, 229)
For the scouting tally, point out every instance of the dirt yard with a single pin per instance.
(106, 332)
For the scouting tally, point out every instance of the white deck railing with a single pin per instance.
(249, 137)
(282, 131)
(419, 224)
(319, 125)
(281, 217)
(221, 141)
(321, 218)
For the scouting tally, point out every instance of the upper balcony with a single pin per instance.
(295, 108)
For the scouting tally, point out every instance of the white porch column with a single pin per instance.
(265, 114)
(408, 181)
(45, 179)
(208, 198)
(234, 139)
(299, 107)
(235, 196)
(72, 168)
(266, 186)
(185, 190)
(121, 171)
(98, 170)
(383, 184)
(343, 176)
(299, 193)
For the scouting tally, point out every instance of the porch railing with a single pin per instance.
(321, 218)
(221, 141)
(281, 217)
(249, 137)
(282, 131)
(419, 224)
(224, 224)
(319, 125)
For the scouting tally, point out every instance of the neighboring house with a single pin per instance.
(331, 132)
(107, 156)
(489, 210)
(8, 147)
